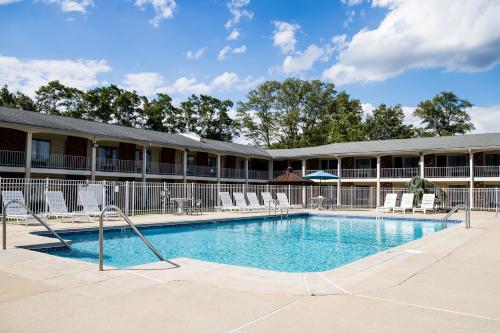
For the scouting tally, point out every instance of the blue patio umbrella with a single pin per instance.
(321, 175)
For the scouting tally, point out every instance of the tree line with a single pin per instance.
(289, 114)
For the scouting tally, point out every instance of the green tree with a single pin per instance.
(345, 120)
(446, 114)
(419, 186)
(387, 122)
(57, 99)
(209, 117)
(161, 115)
(16, 101)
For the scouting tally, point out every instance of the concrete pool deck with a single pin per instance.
(445, 282)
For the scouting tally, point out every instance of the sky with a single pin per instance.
(379, 51)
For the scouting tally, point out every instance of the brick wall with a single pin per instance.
(202, 159)
(12, 139)
(76, 146)
(230, 162)
(126, 151)
(167, 155)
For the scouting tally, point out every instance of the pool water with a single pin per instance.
(305, 243)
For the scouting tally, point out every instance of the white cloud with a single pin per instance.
(284, 36)
(164, 9)
(195, 55)
(351, 2)
(486, 119)
(6, 2)
(302, 61)
(238, 11)
(225, 51)
(240, 50)
(78, 6)
(349, 18)
(456, 35)
(146, 83)
(234, 35)
(29, 75)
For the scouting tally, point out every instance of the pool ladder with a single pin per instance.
(132, 226)
(454, 210)
(38, 218)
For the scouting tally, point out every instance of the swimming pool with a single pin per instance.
(301, 243)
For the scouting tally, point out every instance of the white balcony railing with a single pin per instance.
(359, 173)
(399, 172)
(232, 173)
(201, 171)
(258, 174)
(447, 172)
(487, 171)
(114, 165)
(12, 158)
(59, 161)
(164, 169)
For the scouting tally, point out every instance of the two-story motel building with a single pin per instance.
(35, 145)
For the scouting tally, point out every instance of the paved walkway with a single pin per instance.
(446, 282)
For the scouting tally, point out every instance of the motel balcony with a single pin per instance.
(9, 158)
(398, 173)
(358, 173)
(447, 172)
(59, 161)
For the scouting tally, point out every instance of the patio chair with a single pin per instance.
(227, 203)
(268, 200)
(426, 204)
(283, 201)
(59, 209)
(195, 206)
(389, 203)
(254, 201)
(91, 207)
(16, 212)
(406, 203)
(239, 198)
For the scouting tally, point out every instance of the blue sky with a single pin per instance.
(393, 51)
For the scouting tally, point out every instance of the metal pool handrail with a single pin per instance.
(132, 226)
(454, 210)
(4, 219)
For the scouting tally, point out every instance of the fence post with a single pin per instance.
(103, 194)
(126, 197)
(133, 198)
(45, 196)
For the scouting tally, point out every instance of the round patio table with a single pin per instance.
(180, 205)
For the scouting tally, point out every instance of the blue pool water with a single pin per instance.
(306, 243)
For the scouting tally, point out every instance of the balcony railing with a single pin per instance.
(399, 172)
(59, 161)
(232, 173)
(258, 174)
(113, 165)
(487, 171)
(447, 172)
(164, 169)
(359, 173)
(201, 171)
(12, 158)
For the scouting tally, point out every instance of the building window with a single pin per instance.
(108, 153)
(191, 160)
(458, 160)
(138, 155)
(328, 164)
(212, 162)
(40, 148)
(492, 159)
(363, 163)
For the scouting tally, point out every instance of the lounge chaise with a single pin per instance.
(406, 203)
(389, 203)
(427, 203)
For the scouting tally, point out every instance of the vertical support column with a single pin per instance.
(144, 163)
(184, 165)
(93, 162)
(471, 179)
(304, 164)
(339, 182)
(379, 196)
(270, 169)
(218, 180)
(28, 152)
(246, 171)
(422, 166)
(127, 197)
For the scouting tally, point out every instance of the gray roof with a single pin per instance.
(417, 145)
(102, 130)
(87, 128)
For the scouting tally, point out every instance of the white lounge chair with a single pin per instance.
(389, 203)
(284, 203)
(91, 207)
(426, 204)
(254, 201)
(239, 198)
(16, 212)
(59, 209)
(227, 203)
(406, 203)
(269, 202)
